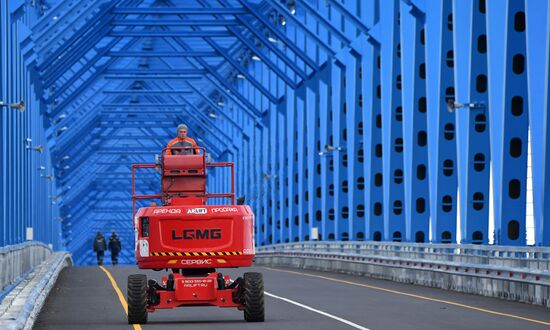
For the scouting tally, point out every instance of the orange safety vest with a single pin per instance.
(177, 142)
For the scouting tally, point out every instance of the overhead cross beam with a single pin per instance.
(190, 22)
(178, 11)
(162, 54)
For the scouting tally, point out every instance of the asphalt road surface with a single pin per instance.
(85, 298)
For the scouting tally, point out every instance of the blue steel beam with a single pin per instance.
(53, 112)
(372, 126)
(151, 77)
(324, 22)
(220, 80)
(243, 71)
(265, 59)
(473, 131)
(392, 128)
(280, 36)
(345, 12)
(154, 72)
(188, 22)
(178, 11)
(251, 109)
(79, 35)
(145, 92)
(415, 135)
(443, 165)
(273, 48)
(213, 105)
(53, 71)
(169, 33)
(162, 54)
(137, 106)
(90, 64)
(510, 199)
(542, 223)
(237, 65)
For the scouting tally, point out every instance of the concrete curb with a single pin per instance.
(22, 305)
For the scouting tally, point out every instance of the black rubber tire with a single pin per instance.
(137, 299)
(253, 297)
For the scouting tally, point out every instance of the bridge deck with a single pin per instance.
(84, 298)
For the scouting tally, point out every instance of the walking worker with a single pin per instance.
(115, 247)
(99, 247)
(182, 140)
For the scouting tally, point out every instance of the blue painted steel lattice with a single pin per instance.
(403, 120)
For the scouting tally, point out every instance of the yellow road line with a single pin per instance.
(119, 294)
(415, 296)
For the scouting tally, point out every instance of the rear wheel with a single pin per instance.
(253, 297)
(137, 299)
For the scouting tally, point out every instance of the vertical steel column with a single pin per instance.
(274, 168)
(289, 139)
(392, 128)
(372, 117)
(474, 169)
(542, 225)
(313, 215)
(262, 154)
(281, 223)
(415, 104)
(372, 125)
(313, 167)
(3, 129)
(300, 156)
(335, 151)
(327, 171)
(353, 158)
(510, 225)
(441, 126)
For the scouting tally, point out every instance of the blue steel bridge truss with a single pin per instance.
(411, 120)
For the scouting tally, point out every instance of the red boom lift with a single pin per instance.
(192, 239)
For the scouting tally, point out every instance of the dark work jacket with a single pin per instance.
(100, 244)
(114, 245)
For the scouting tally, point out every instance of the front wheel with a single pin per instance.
(137, 299)
(253, 296)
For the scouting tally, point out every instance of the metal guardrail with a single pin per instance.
(530, 265)
(17, 260)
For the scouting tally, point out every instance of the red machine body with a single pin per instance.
(195, 236)
(191, 239)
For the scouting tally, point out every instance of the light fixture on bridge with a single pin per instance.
(18, 106)
(60, 118)
(329, 149)
(220, 102)
(240, 76)
(61, 130)
(39, 148)
(282, 20)
(64, 158)
(452, 106)
(212, 115)
(48, 177)
(291, 5)
(42, 168)
(268, 176)
(256, 58)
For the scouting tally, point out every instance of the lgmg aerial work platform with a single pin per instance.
(190, 240)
